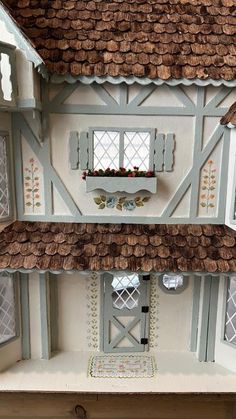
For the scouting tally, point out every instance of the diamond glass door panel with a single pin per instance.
(125, 321)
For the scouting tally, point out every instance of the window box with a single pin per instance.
(121, 184)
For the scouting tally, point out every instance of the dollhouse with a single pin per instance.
(117, 196)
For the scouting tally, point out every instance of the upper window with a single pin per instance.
(126, 291)
(230, 319)
(7, 308)
(115, 148)
(172, 283)
(4, 180)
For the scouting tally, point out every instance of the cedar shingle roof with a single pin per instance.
(144, 38)
(230, 116)
(134, 247)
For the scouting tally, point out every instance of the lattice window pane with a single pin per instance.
(7, 308)
(4, 189)
(106, 149)
(230, 321)
(136, 150)
(126, 292)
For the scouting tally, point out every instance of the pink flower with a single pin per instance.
(31, 160)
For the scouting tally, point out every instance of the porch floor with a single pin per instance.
(68, 371)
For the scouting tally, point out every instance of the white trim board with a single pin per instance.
(55, 78)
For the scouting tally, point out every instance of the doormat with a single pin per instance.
(122, 366)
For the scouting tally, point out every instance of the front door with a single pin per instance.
(125, 312)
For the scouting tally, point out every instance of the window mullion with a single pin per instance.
(121, 148)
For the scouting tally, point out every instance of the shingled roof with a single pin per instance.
(144, 38)
(133, 247)
(230, 116)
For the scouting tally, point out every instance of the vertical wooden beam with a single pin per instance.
(53, 311)
(199, 125)
(195, 312)
(25, 315)
(202, 354)
(209, 316)
(212, 319)
(124, 89)
(45, 315)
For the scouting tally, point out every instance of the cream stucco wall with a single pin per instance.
(173, 320)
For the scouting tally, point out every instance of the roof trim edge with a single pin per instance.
(55, 78)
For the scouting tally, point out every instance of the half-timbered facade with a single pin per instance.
(117, 196)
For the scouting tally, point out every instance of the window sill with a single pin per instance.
(119, 184)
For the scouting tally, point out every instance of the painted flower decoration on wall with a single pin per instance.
(121, 203)
(208, 186)
(32, 185)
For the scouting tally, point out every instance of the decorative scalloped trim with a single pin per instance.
(128, 366)
(55, 78)
(154, 310)
(93, 311)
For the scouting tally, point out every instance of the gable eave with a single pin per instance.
(23, 42)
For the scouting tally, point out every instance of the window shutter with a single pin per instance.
(80, 151)
(159, 147)
(169, 153)
(74, 150)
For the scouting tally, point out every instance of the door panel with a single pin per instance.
(124, 320)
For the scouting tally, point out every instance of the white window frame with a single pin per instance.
(9, 50)
(121, 132)
(224, 314)
(9, 216)
(16, 306)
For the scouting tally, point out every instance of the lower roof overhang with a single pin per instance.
(68, 247)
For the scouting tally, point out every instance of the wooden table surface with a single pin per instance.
(117, 406)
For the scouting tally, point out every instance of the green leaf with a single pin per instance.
(204, 188)
(38, 204)
(211, 205)
(119, 207)
(28, 204)
(28, 190)
(146, 198)
(203, 204)
(122, 199)
(137, 199)
(35, 190)
(103, 198)
(27, 178)
(101, 206)
(212, 188)
(97, 200)
(139, 204)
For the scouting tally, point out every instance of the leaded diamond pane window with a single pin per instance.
(7, 308)
(230, 321)
(136, 150)
(115, 148)
(106, 149)
(4, 183)
(126, 291)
